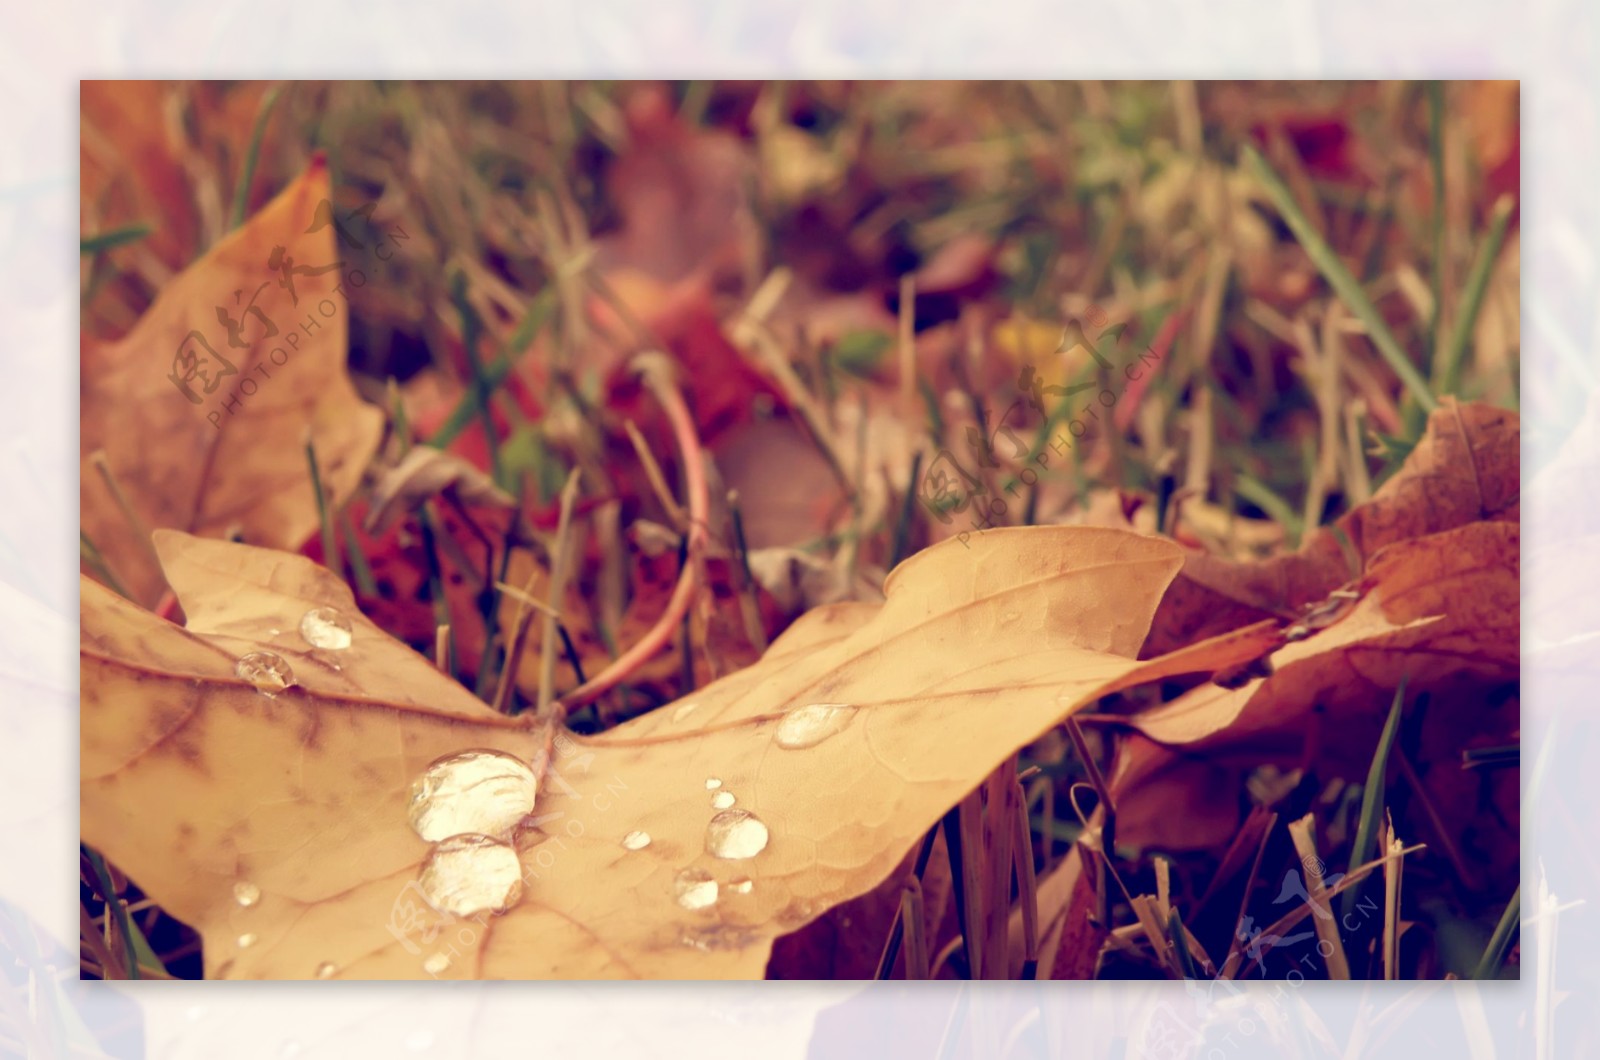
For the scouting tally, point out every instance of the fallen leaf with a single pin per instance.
(193, 781)
(423, 473)
(1465, 469)
(220, 448)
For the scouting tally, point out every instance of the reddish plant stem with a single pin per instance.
(657, 377)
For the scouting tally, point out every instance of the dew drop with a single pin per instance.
(808, 726)
(636, 840)
(736, 834)
(267, 670)
(246, 894)
(696, 889)
(435, 963)
(683, 710)
(740, 885)
(468, 874)
(326, 969)
(722, 800)
(247, 940)
(479, 792)
(324, 627)
(712, 783)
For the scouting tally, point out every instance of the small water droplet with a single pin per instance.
(247, 940)
(435, 963)
(324, 627)
(469, 874)
(326, 969)
(246, 894)
(736, 834)
(740, 885)
(683, 710)
(481, 792)
(808, 726)
(722, 800)
(636, 840)
(267, 670)
(696, 889)
(712, 783)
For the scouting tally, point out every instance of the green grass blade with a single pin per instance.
(1339, 278)
(252, 155)
(115, 238)
(1447, 376)
(330, 546)
(1372, 797)
(1435, 91)
(1500, 942)
(89, 554)
(114, 908)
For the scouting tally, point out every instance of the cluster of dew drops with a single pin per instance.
(470, 806)
(325, 629)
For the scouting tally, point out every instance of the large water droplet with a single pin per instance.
(435, 963)
(483, 792)
(326, 969)
(722, 800)
(696, 889)
(636, 840)
(808, 726)
(736, 834)
(740, 885)
(247, 940)
(246, 894)
(324, 627)
(712, 783)
(267, 670)
(469, 874)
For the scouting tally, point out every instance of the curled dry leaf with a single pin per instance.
(193, 781)
(423, 473)
(223, 451)
(1465, 469)
(1440, 611)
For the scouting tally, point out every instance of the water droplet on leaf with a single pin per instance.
(324, 627)
(722, 800)
(247, 940)
(326, 969)
(469, 874)
(435, 963)
(696, 889)
(712, 783)
(246, 894)
(481, 792)
(740, 885)
(808, 726)
(736, 834)
(636, 840)
(683, 710)
(266, 670)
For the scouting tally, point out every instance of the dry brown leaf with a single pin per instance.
(197, 463)
(421, 474)
(1440, 611)
(1466, 468)
(192, 781)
